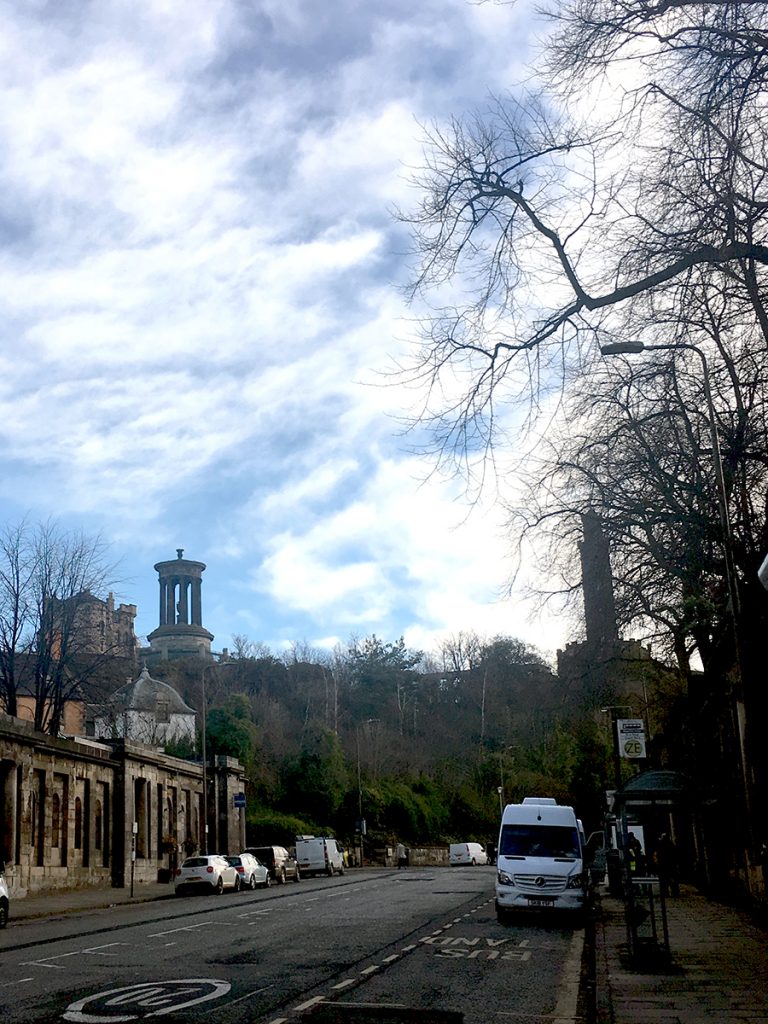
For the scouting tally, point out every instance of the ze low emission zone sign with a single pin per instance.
(631, 737)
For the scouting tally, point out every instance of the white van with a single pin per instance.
(319, 856)
(466, 853)
(540, 859)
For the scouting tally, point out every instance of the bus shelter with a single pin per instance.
(651, 795)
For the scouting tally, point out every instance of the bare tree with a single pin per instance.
(49, 645)
(569, 216)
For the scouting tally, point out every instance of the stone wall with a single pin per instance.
(76, 812)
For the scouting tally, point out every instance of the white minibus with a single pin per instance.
(540, 859)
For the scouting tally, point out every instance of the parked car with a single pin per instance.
(5, 899)
(466, 853)
(281, 863)
(206, 873)
(252, 872)
(319, 855)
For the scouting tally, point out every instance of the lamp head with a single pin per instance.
(762, 573)
(622, 348)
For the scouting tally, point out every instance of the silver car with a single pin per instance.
(206, 873)
(252, 872)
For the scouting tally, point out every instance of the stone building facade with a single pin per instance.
(100, 627)
(76, 812)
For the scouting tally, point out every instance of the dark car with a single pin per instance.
(281, 863)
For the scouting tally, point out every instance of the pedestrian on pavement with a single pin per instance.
(636, 858)
(401, 855)
(668, 865)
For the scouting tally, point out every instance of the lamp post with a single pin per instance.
(611, 710)
(204, 753)
(361, 819)
(500, 788)
(634, 348)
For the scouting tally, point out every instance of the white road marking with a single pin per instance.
(186, 928)
(248, 995)
(159, 998)
(93, 951)
(343, 984)
(309, 1002)
(18, 981)
(370, 970)
(568, 997)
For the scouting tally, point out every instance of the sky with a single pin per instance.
(201, 280)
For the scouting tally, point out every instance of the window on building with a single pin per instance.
(55, 819)
(98, 824)
(78, 823)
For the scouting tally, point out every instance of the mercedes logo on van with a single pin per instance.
(538, 882)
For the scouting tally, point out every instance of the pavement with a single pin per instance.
(716, 970)
(56, 903)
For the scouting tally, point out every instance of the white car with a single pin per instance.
(466, 853)
(5, 900)
(252, 872)
(206, 873)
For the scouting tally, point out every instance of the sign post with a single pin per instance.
(631, 735)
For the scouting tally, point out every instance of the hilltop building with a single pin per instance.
(181, 633)
(93, 626)
(147, 711)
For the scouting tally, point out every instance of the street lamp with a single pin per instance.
(634, 348)
(361, 819)
(205, 760)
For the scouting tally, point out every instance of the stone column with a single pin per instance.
(183, 591)
(197, 602)
(170, 603)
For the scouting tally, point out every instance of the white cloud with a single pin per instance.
(198, 274)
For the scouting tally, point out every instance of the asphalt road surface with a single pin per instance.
(421, 939)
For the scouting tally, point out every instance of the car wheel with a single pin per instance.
(474, 862)
(267, 881)
(252, 882)
(3, 914)
(297, 876)
(282, 878)
(219, 887)
(237, 883)
(341, 870)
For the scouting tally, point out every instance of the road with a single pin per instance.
(420, 938)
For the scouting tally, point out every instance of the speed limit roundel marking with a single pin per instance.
(633, 748)
(149, 999)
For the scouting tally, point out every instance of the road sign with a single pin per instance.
(239, 799)
(631, 732)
